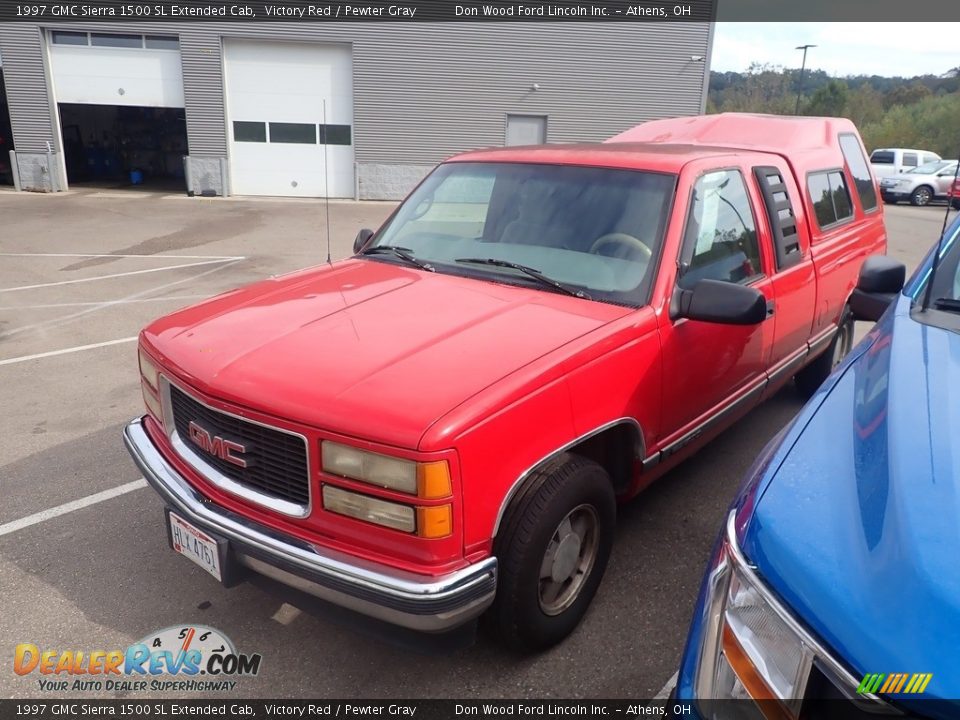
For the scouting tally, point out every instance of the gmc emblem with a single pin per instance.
(217, 446)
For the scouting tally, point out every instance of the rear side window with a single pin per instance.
(882, 157)
(830, 197)
(720, 242)
(862, 179)
(929, 158)
(909, 159)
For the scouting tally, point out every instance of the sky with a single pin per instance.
(886, 49)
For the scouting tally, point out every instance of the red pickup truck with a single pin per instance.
(441, 425)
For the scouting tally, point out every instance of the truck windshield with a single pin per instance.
(594, 230)
(931, 167)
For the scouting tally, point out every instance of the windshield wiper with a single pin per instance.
(401, 252)
(529, 272)
(948, 304)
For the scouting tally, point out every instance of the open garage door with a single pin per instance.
(280, 142)
(120, 100)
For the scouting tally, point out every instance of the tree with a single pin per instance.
(830, 100)
(906, 95)
(864, 105)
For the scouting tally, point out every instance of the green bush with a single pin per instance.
(931, 124)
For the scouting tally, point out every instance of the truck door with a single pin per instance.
(711, 370)
(793, 274)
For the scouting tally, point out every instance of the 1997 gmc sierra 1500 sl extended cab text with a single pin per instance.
(441, 425)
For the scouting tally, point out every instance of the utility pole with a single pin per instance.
(803, 67)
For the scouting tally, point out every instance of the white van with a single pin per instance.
(893, 161)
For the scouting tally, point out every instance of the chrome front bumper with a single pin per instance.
(427, 604)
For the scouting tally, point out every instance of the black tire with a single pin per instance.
(812, 376)
(922, 196)
(526, 614)
(890, 201)
(955, 203)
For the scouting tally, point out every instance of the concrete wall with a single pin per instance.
(388, 182)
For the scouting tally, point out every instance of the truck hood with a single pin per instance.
(366, 348)
(858, 528)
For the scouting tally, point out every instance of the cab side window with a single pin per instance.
(830, 197)
(720, 241)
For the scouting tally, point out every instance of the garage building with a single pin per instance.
(358, 110)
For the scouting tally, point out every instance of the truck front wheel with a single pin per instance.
(553, 550)
(813, 375)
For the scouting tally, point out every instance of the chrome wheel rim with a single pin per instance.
(923, 196)
(569, 559)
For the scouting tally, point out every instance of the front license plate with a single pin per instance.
(195, 544)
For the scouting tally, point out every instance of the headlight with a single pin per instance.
(751, 647)
(389, 514)
(148, 371)
(426, 480)
(149, 384)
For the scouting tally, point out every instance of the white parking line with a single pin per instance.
(101, 303)
(286, 614)
(668, 688)
(80, 313)
(122, 255)
(44, 515)
(65, 351)
(113, 275)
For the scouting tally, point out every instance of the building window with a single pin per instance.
(249, 131)
(298, 133)
(830, 197)
(151, 42)
(162, 42)
(117, 41)
(335, 135)
(69, 38)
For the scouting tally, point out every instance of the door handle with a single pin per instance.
(771, 306)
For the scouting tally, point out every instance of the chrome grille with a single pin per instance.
(276, 460)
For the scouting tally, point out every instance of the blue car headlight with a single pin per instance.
(751, 646)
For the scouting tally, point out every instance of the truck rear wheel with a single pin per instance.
(813, 375)
(553, 550)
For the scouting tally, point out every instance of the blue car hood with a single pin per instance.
(859, 527)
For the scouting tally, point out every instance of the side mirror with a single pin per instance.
(721, 302)
(881, 280)
(360, 242)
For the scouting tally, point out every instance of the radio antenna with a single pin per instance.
(326, 181)
(939, 249)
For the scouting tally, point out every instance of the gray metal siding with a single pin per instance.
(201, 60)
(423, 92)
(21, 46)
(446, 89)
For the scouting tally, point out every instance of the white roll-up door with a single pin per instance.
(290, 118)
(116, 69)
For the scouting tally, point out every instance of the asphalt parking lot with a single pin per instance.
(80, 274)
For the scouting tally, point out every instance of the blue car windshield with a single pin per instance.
(945, 294)
(595, 231)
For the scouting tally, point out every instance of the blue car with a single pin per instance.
(837, 576)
